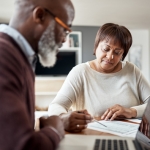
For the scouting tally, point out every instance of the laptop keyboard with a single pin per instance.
(110, 145)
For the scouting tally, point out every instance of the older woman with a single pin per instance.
(107, 86)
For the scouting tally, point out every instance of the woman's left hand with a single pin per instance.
(117, 111)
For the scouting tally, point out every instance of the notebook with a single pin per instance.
(95, 142)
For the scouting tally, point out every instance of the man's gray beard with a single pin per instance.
(48, 47)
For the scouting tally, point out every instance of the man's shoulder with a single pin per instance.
(6, 40)
(9, 48)
(7, 44)
(4, 37)
(11, 53)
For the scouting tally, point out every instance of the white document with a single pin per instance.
(116, 127)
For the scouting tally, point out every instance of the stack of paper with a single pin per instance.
(116, 127)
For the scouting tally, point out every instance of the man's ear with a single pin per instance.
(39, 15)
(40, 21)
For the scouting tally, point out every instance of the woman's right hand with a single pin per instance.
(118, 111)
(76, 121)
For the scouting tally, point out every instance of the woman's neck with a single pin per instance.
(95, 65)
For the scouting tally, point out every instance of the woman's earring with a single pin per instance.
(121, 59)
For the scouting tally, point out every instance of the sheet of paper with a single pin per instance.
(116, 127)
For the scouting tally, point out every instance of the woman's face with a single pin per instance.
(108, 55)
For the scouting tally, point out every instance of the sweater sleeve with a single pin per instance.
(17, 130)
(143, 89)
(68, 94)
(140, 110)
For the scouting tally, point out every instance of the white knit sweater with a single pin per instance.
(85, 88)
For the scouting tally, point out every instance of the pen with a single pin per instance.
(99, 122)
(93, 119)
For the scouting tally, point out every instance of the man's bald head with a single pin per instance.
(63, 9)
(43, 23)
(31, 19)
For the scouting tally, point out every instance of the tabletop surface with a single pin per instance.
(91, 132)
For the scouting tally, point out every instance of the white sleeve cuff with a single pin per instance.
(140, 109)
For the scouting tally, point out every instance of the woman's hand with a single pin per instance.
(76, 121)
(117, 111)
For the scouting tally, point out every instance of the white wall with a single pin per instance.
(142, 38)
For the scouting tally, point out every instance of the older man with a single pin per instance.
(37, 27)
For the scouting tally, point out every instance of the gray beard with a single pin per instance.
(48, 47)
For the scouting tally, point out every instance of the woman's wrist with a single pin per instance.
(133, 112)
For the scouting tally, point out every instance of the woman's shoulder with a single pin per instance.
(130, 67)
(76, 74)
(81, 67)
(78, 71)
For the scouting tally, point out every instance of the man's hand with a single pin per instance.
(118, 111)
(54, 122)
(76, 121)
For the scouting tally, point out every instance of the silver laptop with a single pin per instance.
(93, 142)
